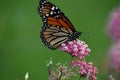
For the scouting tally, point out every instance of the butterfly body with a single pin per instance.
(74, 36)
(57, 28)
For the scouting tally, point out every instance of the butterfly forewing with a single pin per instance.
(52, 15)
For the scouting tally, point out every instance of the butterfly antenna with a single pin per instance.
(82, 37)
(88, 34)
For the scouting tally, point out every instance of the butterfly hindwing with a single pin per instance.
(53, 36)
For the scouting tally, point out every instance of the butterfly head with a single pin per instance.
(74, 36)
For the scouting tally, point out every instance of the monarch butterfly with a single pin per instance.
(57, 28)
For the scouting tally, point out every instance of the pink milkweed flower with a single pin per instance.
(114, 56)
(113, 26)
(85, 70)
(76, 48)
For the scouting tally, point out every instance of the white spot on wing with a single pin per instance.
(43, 16)
(54, 12)
(44, 21)
(51, 12)
(47, 14)
(44, 1)
(58, 11)
(56, 7)
(53, 8)
(57, 16)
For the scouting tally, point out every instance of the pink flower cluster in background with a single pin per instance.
(85, 69)
(76, 48)
(113, 26)
(115, 57)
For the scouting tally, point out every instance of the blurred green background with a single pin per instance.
(21, 49)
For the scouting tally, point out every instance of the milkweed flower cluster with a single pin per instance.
(80, 50)
(85, 69)
(113, 28)
(76, 48)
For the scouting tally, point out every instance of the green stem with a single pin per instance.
(79, 77)
(60, 78)
(70, 62)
